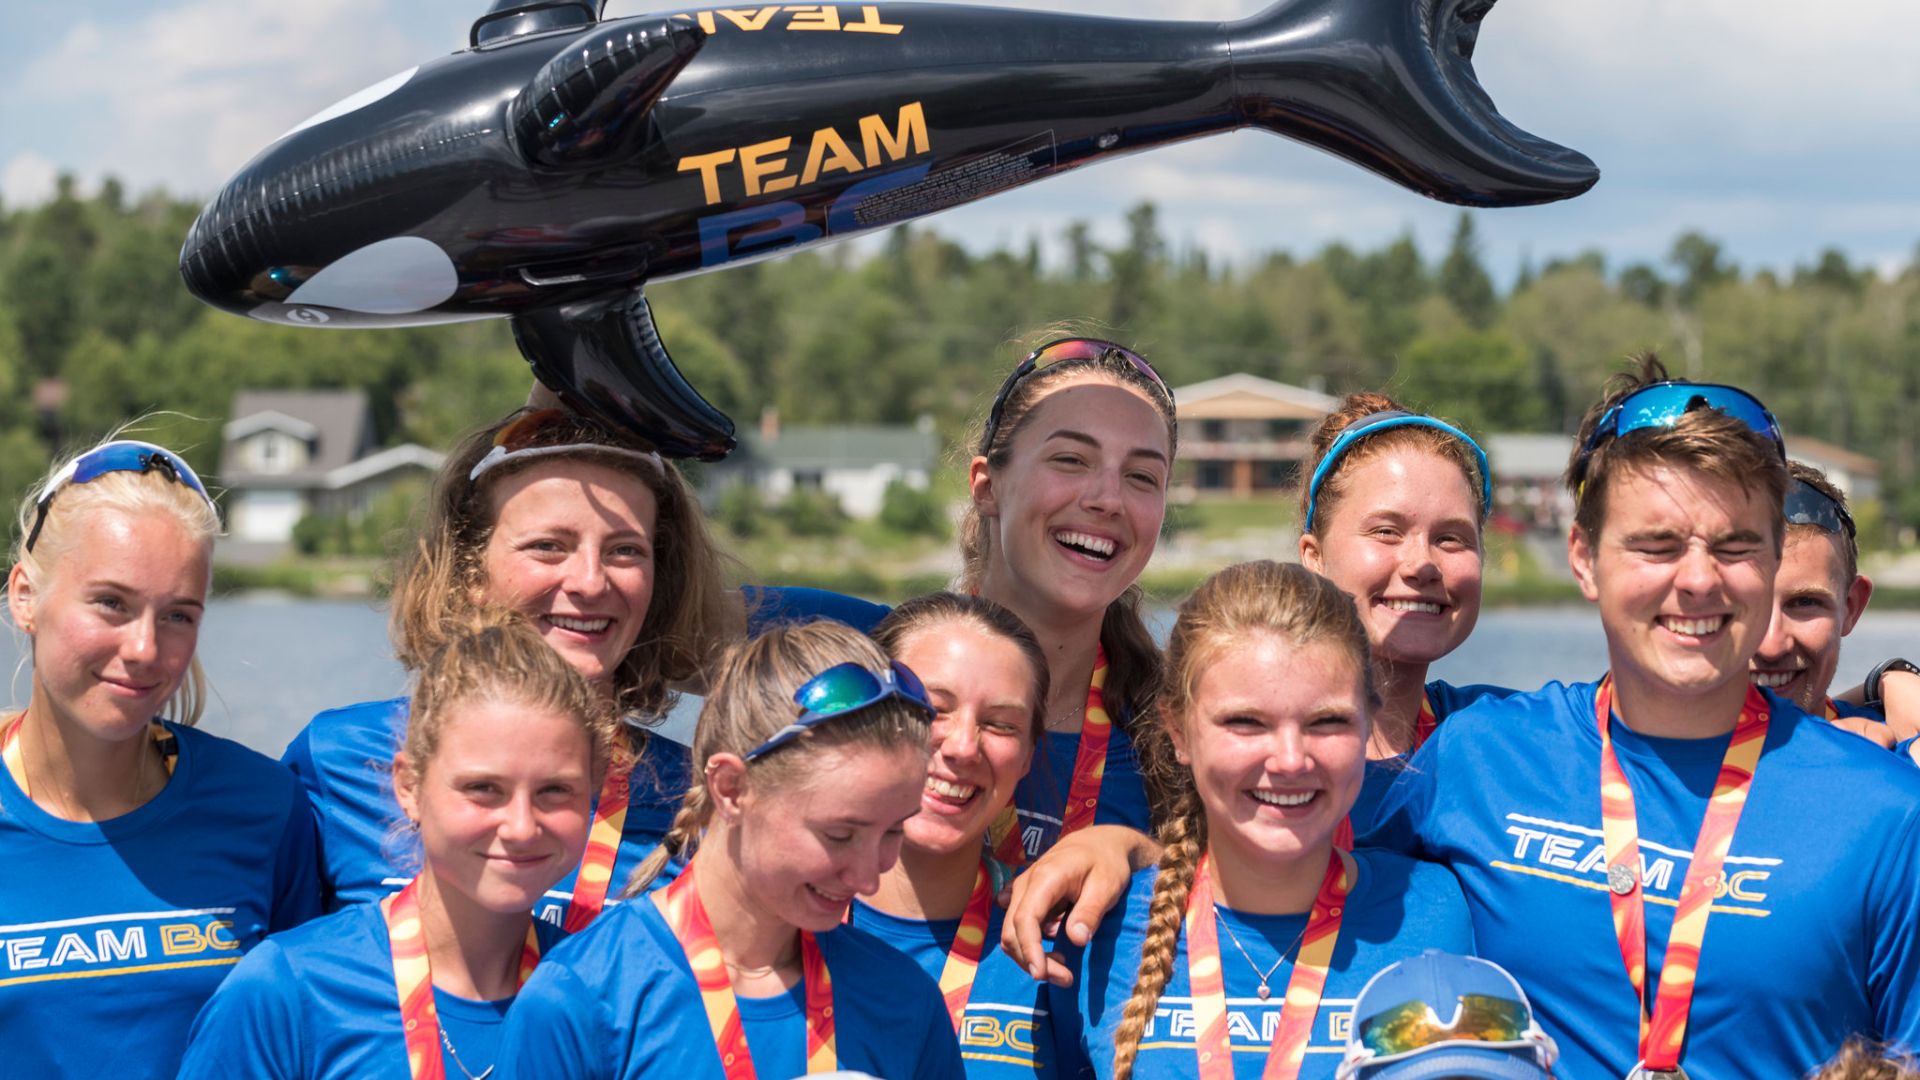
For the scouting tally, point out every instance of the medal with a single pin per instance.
(1621, 879)
(1641, 1072)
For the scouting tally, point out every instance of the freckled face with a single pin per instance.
(572, 549)
(1404, 542)
(116, 621)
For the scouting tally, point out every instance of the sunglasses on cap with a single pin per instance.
(549, 433)
(1662, 404)
(1808, 505)
(1481, 1021)
(1375, 423)
(843, 689)
(121, 455)
(1054, 352)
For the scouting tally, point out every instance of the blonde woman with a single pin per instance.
(812, 752)
(506, 747)
(143, 857)
(1239, 953)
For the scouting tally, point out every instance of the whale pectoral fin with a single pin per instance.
(605, 360)
(1390, 85)
(589, 104)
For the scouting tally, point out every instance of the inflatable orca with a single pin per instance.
(548, 171)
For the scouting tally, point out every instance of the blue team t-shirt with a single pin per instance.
(1815, 936)
(618, 999)
(113, 933)
(1398, 908)
(319, 1002)
(1445, 699)
(345, 759)
(1005, 1031)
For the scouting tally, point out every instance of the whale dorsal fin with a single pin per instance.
(588, 106)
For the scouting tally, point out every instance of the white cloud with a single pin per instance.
(28, 178)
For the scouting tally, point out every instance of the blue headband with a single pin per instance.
(1373, 424)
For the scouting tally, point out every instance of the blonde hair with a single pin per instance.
(136, 495)
(1860, 1059)
(1704, 439)
(1281, 599)
(442, 578)
(497, 655)
(1133, 672)
(752, 698)
(1357, 407)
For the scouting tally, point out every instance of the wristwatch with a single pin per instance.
(1870, 691)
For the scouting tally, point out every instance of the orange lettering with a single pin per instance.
(828, 141)
(757, 163)
(871, 24)
(816, 17)
(749, 18)
(709, 166)
(910, 137)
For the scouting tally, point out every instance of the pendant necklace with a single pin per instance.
(1265, 991)
(455, 1054)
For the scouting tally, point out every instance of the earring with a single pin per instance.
(1181, 757)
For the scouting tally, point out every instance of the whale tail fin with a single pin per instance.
(1390, 86)
(605, 360)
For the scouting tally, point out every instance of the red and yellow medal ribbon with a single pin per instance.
(15, 758)
(1664, 1031)
(413, 979)
(1424, 726)
(1089, 771)
(963, 959)
(1207, 980)
(1830, 711)
(603, 848)
(680, 904)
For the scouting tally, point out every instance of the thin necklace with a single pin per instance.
(1265, 991)
(468, 1073)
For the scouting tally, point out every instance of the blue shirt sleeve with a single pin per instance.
(556, 1029)
(252, 1025)
(1408, 803)
(298, 758)
(774, 605)
(1893, 969)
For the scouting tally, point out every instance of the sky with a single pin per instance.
(1777, 128)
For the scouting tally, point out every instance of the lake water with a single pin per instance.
(275, 661)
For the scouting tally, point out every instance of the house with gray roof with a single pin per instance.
(290, 453)
(852, 462)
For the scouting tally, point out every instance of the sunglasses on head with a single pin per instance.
(549, 433)
(843, 689)
(121, 455)
(1808, 505)
(1055, 352)
(1662, 404)
(1478, 1020)
(1373, 424)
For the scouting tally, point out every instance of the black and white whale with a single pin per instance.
(548, 171)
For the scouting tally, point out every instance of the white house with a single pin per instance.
(1244, 436)
(290, 453)
(852, 462)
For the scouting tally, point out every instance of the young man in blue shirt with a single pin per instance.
(1674, 810)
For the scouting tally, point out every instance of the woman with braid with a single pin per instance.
(810, 755)
(1241, 952)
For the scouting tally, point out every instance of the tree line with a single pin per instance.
(96, 328)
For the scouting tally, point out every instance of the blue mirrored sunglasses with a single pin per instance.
(121, 455)
(1808, 505)
(1373, 424)
(842, 689)
(1662, 404)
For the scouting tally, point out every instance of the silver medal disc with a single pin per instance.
(1621, 879)
(1641, 1072)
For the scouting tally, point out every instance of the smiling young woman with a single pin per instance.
(1218, 960)
(601, 545)
(504, 751)
(813, 754)
(145, 857)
